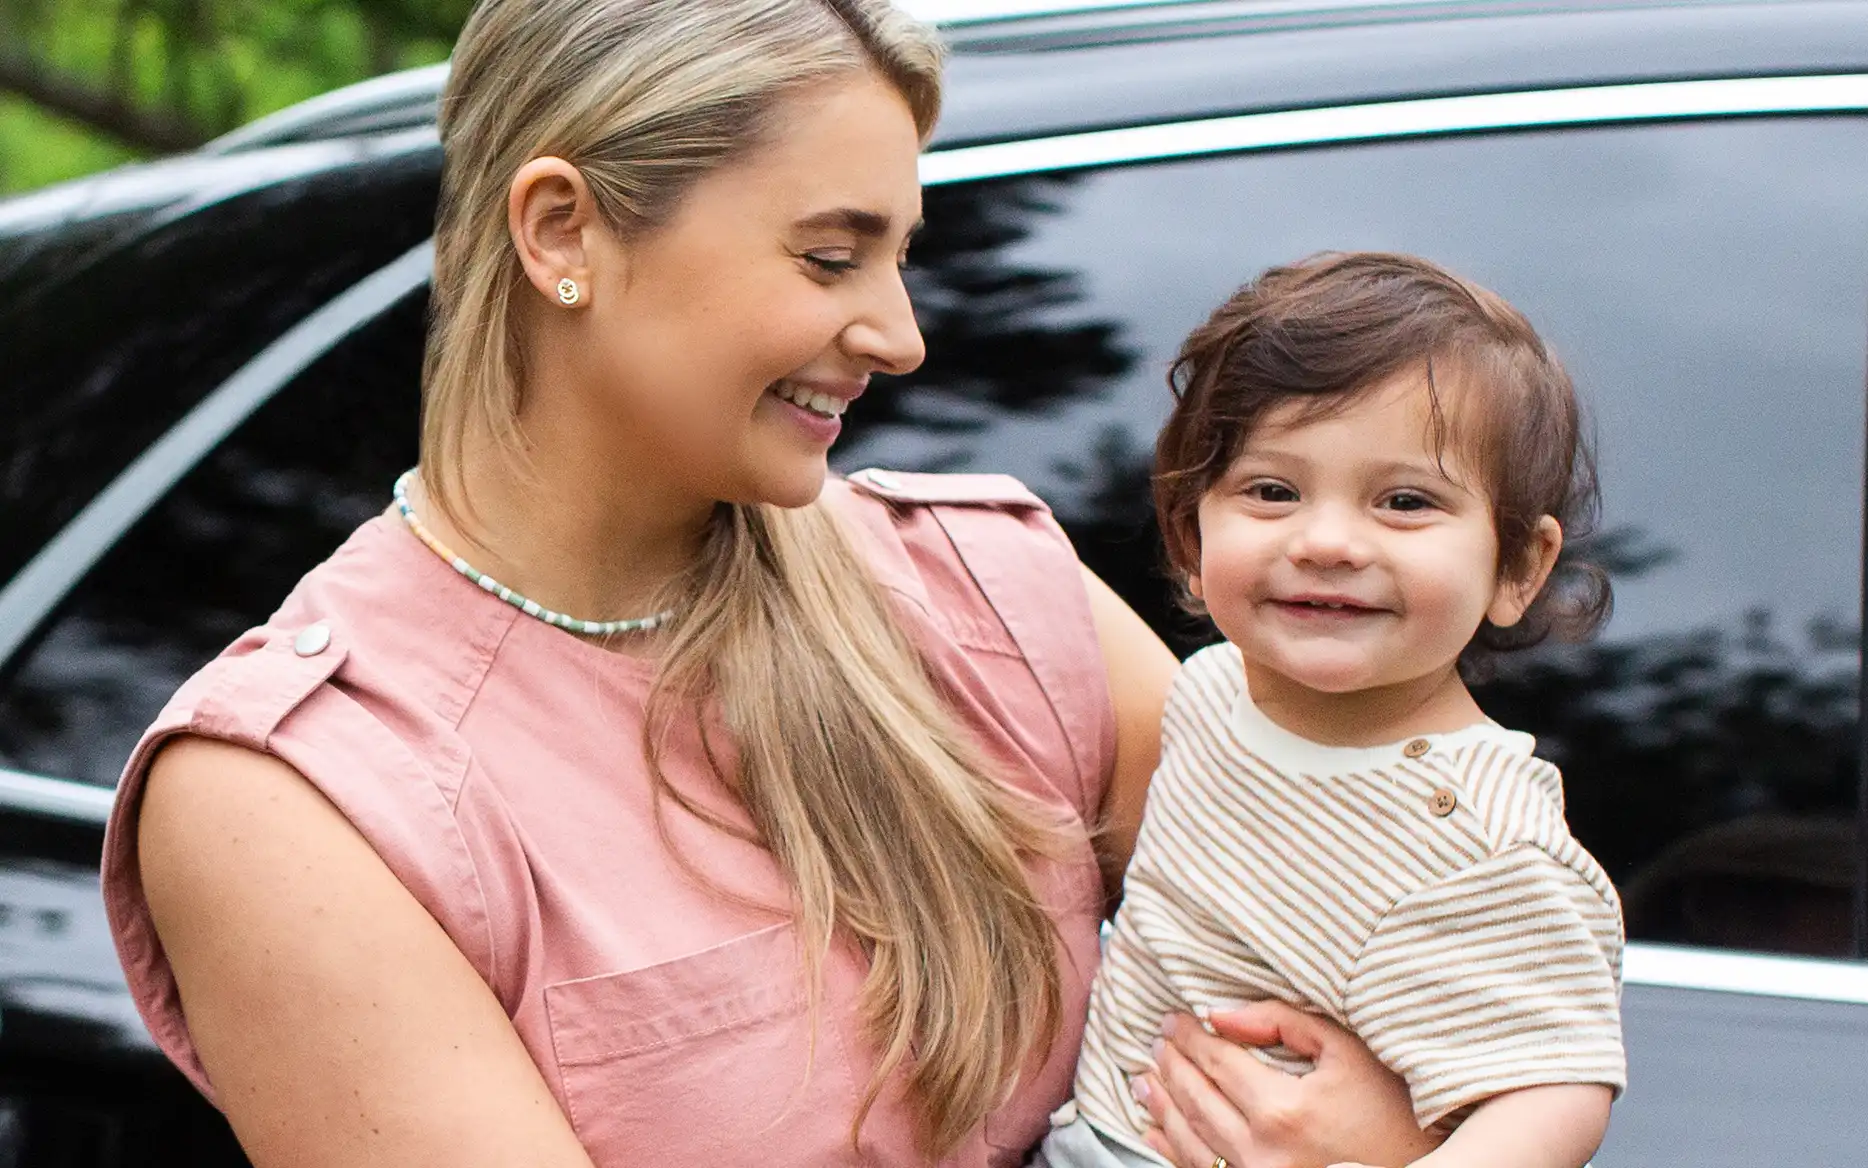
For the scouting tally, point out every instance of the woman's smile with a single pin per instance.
(816, 407)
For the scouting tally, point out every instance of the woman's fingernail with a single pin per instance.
(1138, 1087)
(1155, 1051)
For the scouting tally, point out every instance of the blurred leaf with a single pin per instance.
(90, 83)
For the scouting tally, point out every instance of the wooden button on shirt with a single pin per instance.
(1442, 802)
(1416, 748)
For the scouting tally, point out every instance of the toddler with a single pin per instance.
(1368, 474)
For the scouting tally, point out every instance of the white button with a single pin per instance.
(883, 479)
(314, 640)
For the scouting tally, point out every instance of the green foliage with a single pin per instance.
(90, 83)
(37, 149)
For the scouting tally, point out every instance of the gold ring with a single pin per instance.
(1221, 1162)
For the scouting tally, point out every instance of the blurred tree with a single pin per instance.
(87, 83)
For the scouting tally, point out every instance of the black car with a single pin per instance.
(209, 368)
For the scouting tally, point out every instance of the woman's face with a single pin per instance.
(730, 340)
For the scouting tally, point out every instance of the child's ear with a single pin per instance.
(1514, 596)
(1194, 587)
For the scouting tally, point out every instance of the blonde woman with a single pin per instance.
(624, 794)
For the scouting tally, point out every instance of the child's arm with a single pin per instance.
(1558, 1126)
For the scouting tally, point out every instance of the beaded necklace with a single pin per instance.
(529, 607)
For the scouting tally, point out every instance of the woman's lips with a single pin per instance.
(820, 425)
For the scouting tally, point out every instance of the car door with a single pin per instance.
(1704, 277)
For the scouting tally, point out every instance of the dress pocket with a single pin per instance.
(702, 1060)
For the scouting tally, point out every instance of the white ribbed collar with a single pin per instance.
(1299, 755)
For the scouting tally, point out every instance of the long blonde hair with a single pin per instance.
(884, 814)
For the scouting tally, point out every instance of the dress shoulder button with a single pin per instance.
(312, 640)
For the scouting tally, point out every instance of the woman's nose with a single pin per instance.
(887, 335)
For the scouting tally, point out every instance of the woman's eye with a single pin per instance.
(831, 265)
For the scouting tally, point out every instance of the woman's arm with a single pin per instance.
(1140, 670)
(340, 1026)
(1211, 1098)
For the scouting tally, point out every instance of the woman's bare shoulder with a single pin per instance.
(333, 1017)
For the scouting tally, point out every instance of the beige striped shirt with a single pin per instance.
(1426, 895)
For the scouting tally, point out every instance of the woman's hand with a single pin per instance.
(1210, 1098)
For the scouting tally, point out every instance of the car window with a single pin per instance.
(1705, 283)
(114, 327)
(216, 554)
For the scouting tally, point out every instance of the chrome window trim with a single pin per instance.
(1682, 967)
(1412, 118)
(1645, 964)
(63, 799)
(67, 556)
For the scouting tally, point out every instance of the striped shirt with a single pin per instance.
(1426, 895)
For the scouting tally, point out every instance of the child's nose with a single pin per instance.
(1329, 537)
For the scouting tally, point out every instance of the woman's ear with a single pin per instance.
(550, 215)
(1515, 595)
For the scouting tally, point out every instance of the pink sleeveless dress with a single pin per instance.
(495, 764)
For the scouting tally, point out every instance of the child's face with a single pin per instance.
(1346, 553)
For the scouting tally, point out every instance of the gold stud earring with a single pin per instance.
(568, 293)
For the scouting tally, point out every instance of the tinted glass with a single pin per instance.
(216, 555)
(1706, 285)
(1705, 282)
(113, 326)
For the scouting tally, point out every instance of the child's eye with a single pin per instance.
(1409, 501)
(1270, 492)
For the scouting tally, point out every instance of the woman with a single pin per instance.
(777, 847)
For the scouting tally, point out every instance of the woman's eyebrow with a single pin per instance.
(870, 224)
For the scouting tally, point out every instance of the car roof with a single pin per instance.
(1017, 70)
(993, 38)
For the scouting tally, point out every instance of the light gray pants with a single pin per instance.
(1076, 1145)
